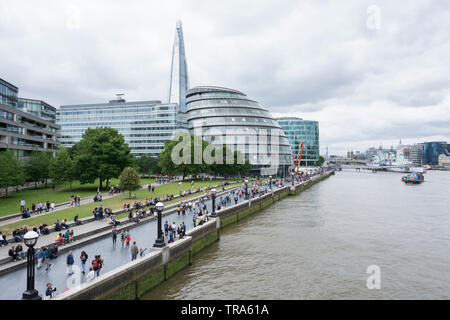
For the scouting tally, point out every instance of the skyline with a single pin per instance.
(369, 78)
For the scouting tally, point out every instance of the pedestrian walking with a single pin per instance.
(47, 255)
(83, 257)
(122, 237)
(39, 257)
(134, 251)
(114, 234)
(70, 262)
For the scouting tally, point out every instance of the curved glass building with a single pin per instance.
(298, 130)
(228, 117)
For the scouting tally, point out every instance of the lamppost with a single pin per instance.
(159, 242)
(270, 186)
(30, 239)
(213, 198)
(246, 189)
(293, 177)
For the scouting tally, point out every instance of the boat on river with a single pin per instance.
(413, 178)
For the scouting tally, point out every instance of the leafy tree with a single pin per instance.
(147, 165)
(37, 166)
(129, 180)
(320, 161)
(183, 155)
(11, 171)
(101, 154)
(62, 167)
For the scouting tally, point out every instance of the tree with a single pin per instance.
(101, 154)
(129, 180)
(320, 161)
(147, 165)
(183, 155)
(62, 167)
(37, 166)
(11, 171)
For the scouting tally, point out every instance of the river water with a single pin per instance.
(319, 245)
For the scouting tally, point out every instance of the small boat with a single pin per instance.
(413, 178)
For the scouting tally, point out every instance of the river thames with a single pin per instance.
(319, 245)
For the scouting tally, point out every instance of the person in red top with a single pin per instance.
(127, 240)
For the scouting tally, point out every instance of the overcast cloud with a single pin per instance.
(370, 71)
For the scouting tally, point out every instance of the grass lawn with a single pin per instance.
(114, 203)
(62, 193)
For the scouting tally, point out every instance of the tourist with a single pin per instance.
(19, 251)
(83, 257)
(127, 241)
(91, 275)
(60, 238)
(166, 228)
(70, 262)
(52, 206)
(47, 256)
(122, 237)
(114, 234)
(50, 292)
(134, 251)
(39, 257)
(22, 205)
(12, 253)
(97, 264)
(3, 241)
(142, 252)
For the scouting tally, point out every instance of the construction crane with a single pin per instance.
(299, 157)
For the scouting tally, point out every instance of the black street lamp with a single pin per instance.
(246, 189)
(270, 186)
(30, 239)
(159, 242)
(293, 178)
(213, 198)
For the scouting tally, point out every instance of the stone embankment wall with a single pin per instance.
(134, 279)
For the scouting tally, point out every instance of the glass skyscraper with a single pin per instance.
(432, 150)
(298, 130)
(228, 117)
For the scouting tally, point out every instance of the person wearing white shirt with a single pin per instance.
(52, 206)
(90, 275)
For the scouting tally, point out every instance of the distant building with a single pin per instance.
(26, 124)
(298, 130)
(145, 125)
(444, 160)
(432, 150)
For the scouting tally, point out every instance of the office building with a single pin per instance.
(26, 124)
(298, 130)
(145, 125)
(228, 117)
(432, 150)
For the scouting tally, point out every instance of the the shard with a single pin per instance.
(179, 78)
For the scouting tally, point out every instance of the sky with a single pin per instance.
(371, 72)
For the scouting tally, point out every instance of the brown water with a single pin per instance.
(319, 244)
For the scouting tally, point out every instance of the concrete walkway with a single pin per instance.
(98, 242)
(81, 232)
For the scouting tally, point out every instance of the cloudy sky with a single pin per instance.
(371, 72)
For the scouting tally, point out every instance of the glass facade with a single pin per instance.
(228, 117)
(26, 124)
(298, 130)
(432, 150)
(145, 125)
(179, 77)
(38, 108)
(8, 93)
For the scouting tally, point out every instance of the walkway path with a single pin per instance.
(114, 255)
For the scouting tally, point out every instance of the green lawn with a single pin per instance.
(114, 203)
(62, 193)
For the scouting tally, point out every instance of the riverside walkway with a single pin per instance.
(100, 242)
(16, 217)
